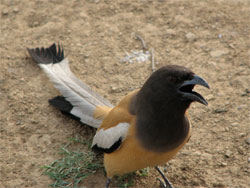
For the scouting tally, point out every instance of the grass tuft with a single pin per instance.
(73, 166)
(77, 161)
(127, 180)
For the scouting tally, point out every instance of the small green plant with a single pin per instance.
(127, 180)
(144, 172)
(73, 167)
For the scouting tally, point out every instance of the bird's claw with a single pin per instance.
(166, 183)
(162, 184)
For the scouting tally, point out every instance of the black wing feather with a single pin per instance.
(114, 147)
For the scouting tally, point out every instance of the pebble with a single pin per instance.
(241, 150)
(248, 140)
(223, 164)
(36, 23)
(245, 93)
(5, 12)
(231, 46)
(19, 122)
(212, 63)
(218, 53)
(235, 124)
(190, 37)
(15, 10)
(228, 154)
(242, 134)
(210, 97)
(114, 89)
(220, 110)
(248, 159)
(170, 32)
(34, 121)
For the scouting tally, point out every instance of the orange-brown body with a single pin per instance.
(131, 156)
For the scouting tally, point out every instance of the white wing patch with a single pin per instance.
(106, 138)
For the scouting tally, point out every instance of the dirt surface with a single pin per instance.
(210, 37)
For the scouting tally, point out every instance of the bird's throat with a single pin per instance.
(162, 129)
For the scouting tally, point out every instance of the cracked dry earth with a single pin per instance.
(210, 37)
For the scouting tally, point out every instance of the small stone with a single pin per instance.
(235, 124)
(19, 122)
(242, 134)
(170, 32)
(231, 46)
(5, 12)
(114, 89)
(240, 150)
(34, 121)
(248, 140)
(15, 10)
(228, 154)
(36, 23)
(248, 160)
(218, 53)
(223, 164)
(210, 97)
(190, 37)
(220, 110)
(212, 63)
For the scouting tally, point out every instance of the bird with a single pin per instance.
(145, 129)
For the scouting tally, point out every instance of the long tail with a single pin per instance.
(78, 99)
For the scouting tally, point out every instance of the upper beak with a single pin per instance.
(192, 95)
(196, 81)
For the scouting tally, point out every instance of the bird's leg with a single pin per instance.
(108, 182)
(167, 184)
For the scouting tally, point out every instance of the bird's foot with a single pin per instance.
(107, 183)
(166, 183)
(163, 185)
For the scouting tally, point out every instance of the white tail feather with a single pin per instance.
(83, 99)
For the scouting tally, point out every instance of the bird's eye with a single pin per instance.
(173, 79)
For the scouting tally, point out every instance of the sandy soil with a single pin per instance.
(210, 37)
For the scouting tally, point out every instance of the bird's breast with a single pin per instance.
(131, 156)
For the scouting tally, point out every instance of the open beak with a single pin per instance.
(186, 89)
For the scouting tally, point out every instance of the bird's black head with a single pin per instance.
(174, 84)
(160, 106)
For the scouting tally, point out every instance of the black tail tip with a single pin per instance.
(52, 54)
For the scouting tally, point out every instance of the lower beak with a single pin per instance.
(189, 94)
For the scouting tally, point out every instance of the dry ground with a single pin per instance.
(210, 37)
